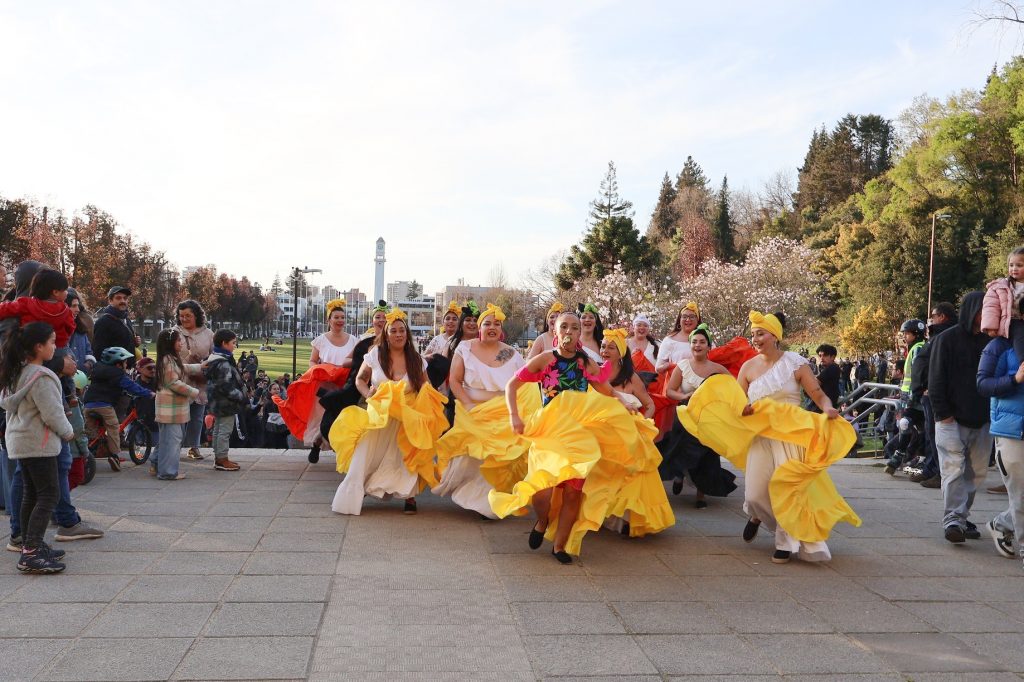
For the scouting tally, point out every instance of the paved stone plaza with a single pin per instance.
(251, 576)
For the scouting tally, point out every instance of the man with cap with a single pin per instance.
(113, 328)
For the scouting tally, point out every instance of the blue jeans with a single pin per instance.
(65, 512)
(168, 450)
(194, 427)
(963, 463)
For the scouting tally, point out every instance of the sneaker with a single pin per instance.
(781, 556)
(177, 477)
(954, 534)
(193, 453)
(1002, 540)
(226, 465)
(933, 482)
(79, 531)
(152, 470)
(890, 469)
(918, 477)
(410, 506)
(14, 544)
(38, 561)
(56, 554)
(997, 490)
(971, 531)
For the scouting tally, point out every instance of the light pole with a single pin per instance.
(931, 258)
(295, 312)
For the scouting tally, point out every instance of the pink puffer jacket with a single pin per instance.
(996, 309)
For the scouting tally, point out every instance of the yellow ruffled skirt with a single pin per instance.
(804, 500)
(420, 419)
(592, 437)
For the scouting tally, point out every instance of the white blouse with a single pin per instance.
(331, 354)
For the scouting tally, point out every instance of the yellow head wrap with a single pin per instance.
(769, 323)
(453, 307)
(395, 314)
(491, 309)
(692, 307)
(336, 304)
(556, 307)
(619, 337)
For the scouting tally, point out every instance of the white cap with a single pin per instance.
(904, 424)
(642, 318)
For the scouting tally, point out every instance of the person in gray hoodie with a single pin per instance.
(37, 426)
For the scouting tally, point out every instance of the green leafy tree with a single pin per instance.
(609, 204)
(664, 217)
(692, 175)
(612, 241)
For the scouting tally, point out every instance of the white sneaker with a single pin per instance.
(1003, 541)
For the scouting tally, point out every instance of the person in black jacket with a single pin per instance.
(962, 437)
(113, 328)
(943, 316)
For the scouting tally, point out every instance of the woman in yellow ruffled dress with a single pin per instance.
(387, 449)
(481, 453)
(583, 445)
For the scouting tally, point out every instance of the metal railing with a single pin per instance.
(870, 400)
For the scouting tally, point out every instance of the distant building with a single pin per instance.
(353, 295)
(401, 291)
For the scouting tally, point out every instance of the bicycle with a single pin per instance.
(136, 435)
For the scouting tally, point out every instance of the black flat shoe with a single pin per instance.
(536, 538)
(701, 504)
(563, 556)
(625, 529)
(677, 486)
(781, 556)
(314, 454)
(410, 506)
(750, 530)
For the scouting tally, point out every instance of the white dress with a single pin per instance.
(593, 355)
(778, 383)
(331, 354)
(438, 345)
(648, 351)
(377, 468)
(481, 382)
(673, 351)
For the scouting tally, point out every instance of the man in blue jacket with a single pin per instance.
(961, 417)
(1000, 375)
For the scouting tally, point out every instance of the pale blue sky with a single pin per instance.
(467, 134)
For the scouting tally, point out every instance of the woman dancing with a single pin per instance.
(480, 370)
(592, 331)
(449, 323)
(386, 450)
(642, 344)
(546, 340)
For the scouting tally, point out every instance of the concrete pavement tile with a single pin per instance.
(246, 658)
(22, 659)
(971, 565)
(100, 660)
(320, 510)
(377, 633)
(237, 524)
(871, 565)
(644, 588)
(700, 546)
(229, 509)
(176, 588)
(70, 588)
(817, 653)
(770, 617)
(299, 524)
(217, 542)
(110, 563)
(704, 655)
(309, 542)
(167, 509)
(587, 655)
(314, 496)
(567, 618)
(278, 588)
(677, 617)
(248, 496)
(957, 618)
(10, 583)
(532, 564)
(877, 616)
(1002, 651)
(151, 524)
(122, 542)
(914, 589)
(415, 659)
(290, 563)
(960, 677)
(625, 563)
(990, 589)
(260, 619)
(550, 588)
(22, 620)
(736, 588)
(603, 678)
(825, 588)
(200, 563)
(912, 653)
(152, 619)
(715, 564)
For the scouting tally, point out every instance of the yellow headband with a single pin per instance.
(395, 314)
(453, 307)
(769, 323)
(692, 307)
(556, 307)
(491, 309)
(618, 336)
(336, 304)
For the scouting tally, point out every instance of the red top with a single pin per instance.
(55, 313)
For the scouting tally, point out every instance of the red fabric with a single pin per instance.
(733, 354)
(574, 483)
(664, 407)
(76, 475)
(57, 314)
(302, 396)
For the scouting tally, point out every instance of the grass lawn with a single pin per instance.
(279, 361)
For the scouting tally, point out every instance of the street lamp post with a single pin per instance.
(931, 258)
(295, 312)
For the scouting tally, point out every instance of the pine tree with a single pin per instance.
(692, 175)
(722, 228)
(608, 203)
(664, 217)
(613, 241)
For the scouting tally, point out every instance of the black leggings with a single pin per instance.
(39, 499)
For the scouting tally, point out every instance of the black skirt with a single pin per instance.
(683, 455)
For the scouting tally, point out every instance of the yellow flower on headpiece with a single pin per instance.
(618, 336)
(692, 307)
(556, 307)
(336, 304)
(769, 323)
(395, 314)
(491, 309)
(453, 307)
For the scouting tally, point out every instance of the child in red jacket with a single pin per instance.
(45, 304)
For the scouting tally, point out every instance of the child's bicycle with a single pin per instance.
(137, 436)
